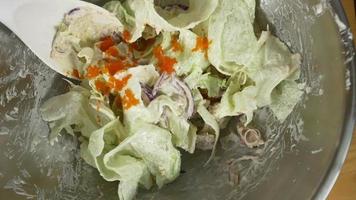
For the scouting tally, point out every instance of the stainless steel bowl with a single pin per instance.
(300, 160)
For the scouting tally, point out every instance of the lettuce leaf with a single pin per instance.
(170, 116)
(122, 12)
(183, 132)
(212, 84)
(187, 60)
(210, 121)
(169, 112)
(147, 13)
(149, 150)
(197, 12)
(284, 98)
(159, 104)
(193, 80)
(145, 74)
(128, 170)
(135, 158)
(131, 171)
(237, 100)
(69, 109)
(252, 85)
(273, 63)
(104, 140)
(233, 39)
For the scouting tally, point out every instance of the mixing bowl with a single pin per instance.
(300, 160)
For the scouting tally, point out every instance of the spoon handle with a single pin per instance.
(35, 21)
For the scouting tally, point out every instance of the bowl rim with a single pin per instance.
(339, 158)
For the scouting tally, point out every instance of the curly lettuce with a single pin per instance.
(137, 14)
(131, 115)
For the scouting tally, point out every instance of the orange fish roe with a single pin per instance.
(117, 84)
(106, 43)
(126, 35)
(114, 66)
(176, 46)
(102, 87)
(112, 51)
(165, 63)
(75, 73)
(202, 44)
(93, 71)
(129, 99)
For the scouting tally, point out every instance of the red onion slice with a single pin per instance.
(159, 83)
(73, 11)
(182, 89)
(251, 137)
(147, 91)
(189, 96)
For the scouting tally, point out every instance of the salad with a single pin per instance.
(160, 77)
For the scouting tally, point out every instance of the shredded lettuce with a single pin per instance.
(210, 121)
(187, 60)
(158, 105)
(151, 146)
(183, 132)
(233, 38)
(251, 86)
(237, 100)
(212, 84)
(197, 12)
(138, 145)
(104, 140)
(277, 64)
(145, 74)
(69, 109)
(284, 98)
(170, 110)
(122, 12)
(145, 12)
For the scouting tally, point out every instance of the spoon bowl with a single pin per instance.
(35, 21)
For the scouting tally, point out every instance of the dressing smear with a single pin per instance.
(151, 85)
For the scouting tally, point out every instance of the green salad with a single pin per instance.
(160, 77)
